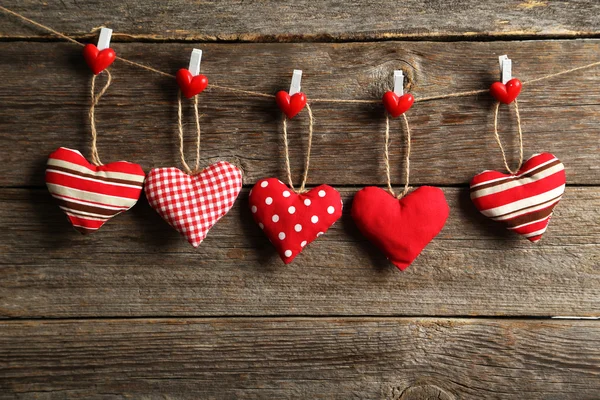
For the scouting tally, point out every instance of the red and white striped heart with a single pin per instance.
(290, 220)
(91, 195)
(523, 201)
(192, 204)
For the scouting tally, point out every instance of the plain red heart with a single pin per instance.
(291, 221)
(400, 228)
(290, 105)
(397, 105)
(98, 60)
(506, 93)
(191, 85)
(524, 201)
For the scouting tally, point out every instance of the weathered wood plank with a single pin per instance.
(308, 20)
(137, 265)
(45, 100)
(359, 358)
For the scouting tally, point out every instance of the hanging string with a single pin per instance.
(287, 153)
(186, 167)
(386, 156)
(95, 98)
(322, 100)
(500, 143)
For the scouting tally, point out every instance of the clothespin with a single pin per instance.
(191, 82)
(292, 102)
(505, 68)
(104, 39)
(195, 60)
(295, 85)
(399, 82)
(98, 58)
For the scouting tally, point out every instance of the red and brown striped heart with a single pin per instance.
(91, 195)
(523, 201)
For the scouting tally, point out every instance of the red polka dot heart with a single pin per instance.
(290, 220)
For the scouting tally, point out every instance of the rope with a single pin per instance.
(287, 153)
(386, 156)
(500, 143)
(95, 98)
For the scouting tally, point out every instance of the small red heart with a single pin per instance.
(291, 221)
(506, 93)
(98, 60)
(191, 85)
(397, 105)
(400, 228)
(290, 105)
(524, 201)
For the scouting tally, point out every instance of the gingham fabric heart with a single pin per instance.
(92, 195)
(290, 220)
(192, 204)
(524, 201)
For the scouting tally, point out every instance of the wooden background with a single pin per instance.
(133, 311)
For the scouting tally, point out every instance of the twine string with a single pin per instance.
(321, 100)
(308, 148)
(186, 166)
(95, 98)
(386, 157)
(497, 137)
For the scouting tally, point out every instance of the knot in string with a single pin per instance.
(386, 156)
(186, 167)
(287, 153)
(95, 98)
(497, 106)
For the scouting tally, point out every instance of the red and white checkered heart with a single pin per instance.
(192, 204)
(524, 201)
(91, 195)
(290, 220)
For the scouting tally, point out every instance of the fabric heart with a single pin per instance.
(506, 93)
(397, 105)
(290, 220)
(92, 195)
(98, 60)
(290, 105)
(400, 228)
(524, 201)
(192, 204)
(191, 85)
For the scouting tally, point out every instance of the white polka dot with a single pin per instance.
(250, 194)
(261, 226)
(314, 219)
(281, 235)
(303, 243)
(264, 184)
(286, 193)
(330, 209)
(307, 202)
(298, 227)
(269, 200)
(254, 209)
(288, 253)
(275, 218)
(292, 209)
(321, 193)
(319, 234)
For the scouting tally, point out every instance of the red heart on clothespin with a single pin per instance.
(397, 105)
(506, 93)
(191, 85)
(290, 105)
(98, 60)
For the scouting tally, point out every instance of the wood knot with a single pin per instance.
(421, 392)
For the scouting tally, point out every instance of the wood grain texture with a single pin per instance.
(330, 358)
(136, 265)
(303, 20)
(45, 106)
